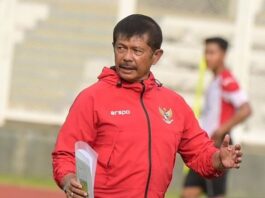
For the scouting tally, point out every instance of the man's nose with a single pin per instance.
(128, 56)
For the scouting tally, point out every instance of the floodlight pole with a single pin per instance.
(245, 24)
(245, 21)
(7, 20)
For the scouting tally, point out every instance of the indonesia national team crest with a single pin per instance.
(167, 115)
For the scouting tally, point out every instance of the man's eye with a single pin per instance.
(120, 48)
(138, 52)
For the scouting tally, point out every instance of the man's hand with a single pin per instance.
(72, 188)
(229, 156)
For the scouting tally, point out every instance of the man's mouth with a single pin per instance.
(127, 67)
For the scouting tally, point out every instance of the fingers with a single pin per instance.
(239, 153)
(75, 183)
(74, 195)
(237, 147)
(77, 196)
(78, 192)
(74, 190)
(69, 194)
(238, 157)
(231, 155)
(239, 160)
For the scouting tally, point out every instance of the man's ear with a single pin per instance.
(157, 55)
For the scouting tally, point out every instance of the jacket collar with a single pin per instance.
(110, 76)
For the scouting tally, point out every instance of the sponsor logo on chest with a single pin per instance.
(120, 112)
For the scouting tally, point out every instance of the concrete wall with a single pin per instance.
(25, 149)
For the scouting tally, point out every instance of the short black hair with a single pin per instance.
(138, 24)
(221, 42)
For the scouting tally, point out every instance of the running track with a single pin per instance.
(7, 191)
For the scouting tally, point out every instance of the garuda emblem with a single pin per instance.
(167, 115)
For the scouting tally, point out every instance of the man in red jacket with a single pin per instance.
(135, 125)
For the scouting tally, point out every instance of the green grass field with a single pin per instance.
(172, 195)
(43, 183)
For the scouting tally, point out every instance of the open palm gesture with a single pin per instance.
(230, 155)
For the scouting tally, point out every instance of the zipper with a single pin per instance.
(149, 142)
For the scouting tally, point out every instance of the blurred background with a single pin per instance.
(51, 49)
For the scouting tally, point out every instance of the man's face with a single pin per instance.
(214, 56)
(134, 57)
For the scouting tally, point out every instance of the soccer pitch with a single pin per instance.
(172, 195)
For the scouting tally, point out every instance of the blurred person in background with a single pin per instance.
(226, 105)
(135, 124)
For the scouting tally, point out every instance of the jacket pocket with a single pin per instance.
(105, 148)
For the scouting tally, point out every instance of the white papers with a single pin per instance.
(86, 163)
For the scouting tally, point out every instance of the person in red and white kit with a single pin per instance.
(135, 124)
(226, 105)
